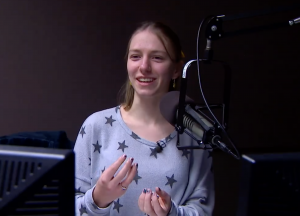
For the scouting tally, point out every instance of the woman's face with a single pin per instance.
(150, 68)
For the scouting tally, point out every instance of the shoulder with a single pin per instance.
(102, 116)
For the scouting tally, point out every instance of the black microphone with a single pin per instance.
(160, 146)
(202, 128)
(169, 110)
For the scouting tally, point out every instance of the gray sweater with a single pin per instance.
(184, 174)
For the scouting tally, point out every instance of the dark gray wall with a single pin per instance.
(62, 60)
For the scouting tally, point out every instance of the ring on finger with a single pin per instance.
(123, 187)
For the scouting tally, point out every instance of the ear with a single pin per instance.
(178, 70)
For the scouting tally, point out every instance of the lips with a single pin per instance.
(145, 79)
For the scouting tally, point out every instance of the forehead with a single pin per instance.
(146, 40)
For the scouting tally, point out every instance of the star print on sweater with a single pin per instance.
(97, 147)
(134, 136)
(171, 181)
(82, 132)
(102, 144)
(122, 146)
(153, 152)
(117, 206)
(136, 177)
(117, 108)
(82, 210)
(168, 138)
(185, 153)
(77, 191)
(109, 120)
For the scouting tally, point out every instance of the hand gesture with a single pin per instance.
(110, 185)
(156, 203)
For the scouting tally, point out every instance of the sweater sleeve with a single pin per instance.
(200, 202)
(83, 197)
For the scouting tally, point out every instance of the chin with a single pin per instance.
(150, 94)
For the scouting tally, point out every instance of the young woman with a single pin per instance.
(118, 169)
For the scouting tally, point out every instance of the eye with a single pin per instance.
(158, 58)
(134, 57)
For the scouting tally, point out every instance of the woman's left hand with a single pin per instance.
(157, 203)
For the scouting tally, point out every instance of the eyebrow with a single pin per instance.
(154, 51)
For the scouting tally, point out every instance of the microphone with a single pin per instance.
(160, 146)
(203, 129)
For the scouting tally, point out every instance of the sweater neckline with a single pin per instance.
(165, 140)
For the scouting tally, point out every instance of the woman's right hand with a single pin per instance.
(110, 185)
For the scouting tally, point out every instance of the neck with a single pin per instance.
(146, 110)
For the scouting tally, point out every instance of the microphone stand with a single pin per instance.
(209, 134)
(214, 31)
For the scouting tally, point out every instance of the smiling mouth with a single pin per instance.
(145, 80)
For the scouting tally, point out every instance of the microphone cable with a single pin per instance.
(201, 90)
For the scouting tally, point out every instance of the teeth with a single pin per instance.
(145, 79)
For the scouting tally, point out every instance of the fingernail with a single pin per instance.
(137, 165)
(131, 159)
(148, 190)
(155, 194)
(159, 189)
(144, 191)
(124, 155)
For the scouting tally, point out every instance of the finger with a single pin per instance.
(161, 193)
(112, 169)
(131, 174)
(123, 172)
(141, 200)
(164, 198)
(156, 205)
(147, 203)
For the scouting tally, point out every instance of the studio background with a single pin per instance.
(62, 60)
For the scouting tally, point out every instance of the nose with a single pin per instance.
(145, 65)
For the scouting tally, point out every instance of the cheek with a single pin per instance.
(167, 72)
(130, 70)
